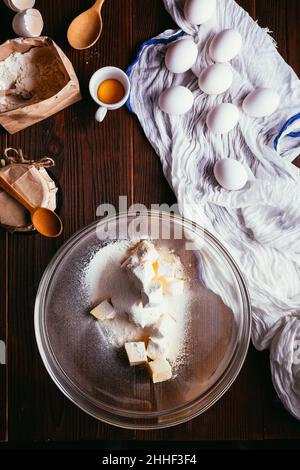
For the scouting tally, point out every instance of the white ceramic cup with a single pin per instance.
(106, 73)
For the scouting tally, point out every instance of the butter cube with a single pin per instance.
(166, 269)
(132, 259)
(144, 316)
(136, 353)
(175, 286)
(103, 311)
(146, 251)
(157, 348)
(161, 370)
(165, 326)
(141, 274)
(152, 294)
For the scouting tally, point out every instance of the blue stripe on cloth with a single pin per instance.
(150, 42)
(285, 127)
(294, 134)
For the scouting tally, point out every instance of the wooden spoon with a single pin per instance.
(44, 220)
(85, 29)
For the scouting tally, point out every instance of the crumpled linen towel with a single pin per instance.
(260, 224)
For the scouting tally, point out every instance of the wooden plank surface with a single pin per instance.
(3, 323)
(3, 339)
(96, 164)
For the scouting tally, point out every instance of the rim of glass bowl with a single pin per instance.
(134, 419)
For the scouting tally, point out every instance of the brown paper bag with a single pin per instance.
(31, 179)
(35, 110)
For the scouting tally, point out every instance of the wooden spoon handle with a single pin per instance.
(15, 194)
(98, 5)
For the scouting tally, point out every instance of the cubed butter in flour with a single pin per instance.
(146, 251)
(142, 316)
(164, 283)
(152, 294)
(166, 269)
(104, 311)
(136, 353)
(141, 274)
(132, 259)
(161, 370)
(157, 348)
(175, 286)
(164, 326)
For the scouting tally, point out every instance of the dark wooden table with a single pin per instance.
(95, 164)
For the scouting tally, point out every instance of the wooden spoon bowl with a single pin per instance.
(85, 29)
(46, 222)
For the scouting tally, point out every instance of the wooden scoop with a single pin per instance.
(85, 29)
(44, 220)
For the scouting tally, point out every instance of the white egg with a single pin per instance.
(176, 100)
(216, 79)
(230, 174)
(198, 12)
(19, 5)
(181, 56)
(261, 102)
(225, 45)
(28, 23)
(223, 118)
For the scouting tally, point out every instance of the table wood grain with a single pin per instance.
(96, 164)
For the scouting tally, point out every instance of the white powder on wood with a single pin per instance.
(103, 278)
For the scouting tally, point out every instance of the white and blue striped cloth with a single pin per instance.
(260, 224)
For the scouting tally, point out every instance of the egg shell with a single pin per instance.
(18, 24)
(28, 23)
(223, 118)
(261, 102)
(230, 174)
(19, 5)
(225, 45)
(197, 12)
(181, 55)
(176, 100)
(216, 79)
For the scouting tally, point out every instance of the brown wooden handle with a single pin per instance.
(98, 5)
(15, 194)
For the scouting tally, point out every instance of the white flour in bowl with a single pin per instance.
(103, 278)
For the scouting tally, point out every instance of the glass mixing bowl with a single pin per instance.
(97, 378)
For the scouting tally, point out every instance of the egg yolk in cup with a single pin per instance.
(110, 91)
